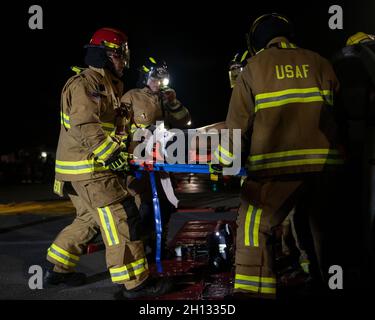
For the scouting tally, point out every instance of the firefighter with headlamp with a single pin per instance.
(154, 101)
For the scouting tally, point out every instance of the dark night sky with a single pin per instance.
(196, 41)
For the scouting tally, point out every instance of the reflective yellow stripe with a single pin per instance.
(112, 225)
(108, 127)
(64, 252)
(126, 272)
(255, 283)
(105, 149)
(59, 259)
(111, 45)
(294, 158)
(256, 278)
(247, 225)
(127, 275)
(78, 167)
(224, 156)
(65, 119)
(225, 151)
(256, 228)
(62, 256)
(287, 45)
(293, 153)
(221, 160)
(108, 226)
(291, 163)
(252, 223)
(304, 95)
(254, 288)
(244, 56)
(134, 127)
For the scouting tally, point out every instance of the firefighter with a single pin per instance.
(355, 68)
(90, 164)
(283, 103)
(154, 101)
(291, 246)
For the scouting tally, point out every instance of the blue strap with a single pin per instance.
(157, 215)
(185, 168)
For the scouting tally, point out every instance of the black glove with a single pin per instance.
(119, 161)
(216, 168)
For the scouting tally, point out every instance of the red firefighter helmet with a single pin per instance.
(109, 37)
(112, 39)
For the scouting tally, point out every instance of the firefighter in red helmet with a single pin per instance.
(91, 162)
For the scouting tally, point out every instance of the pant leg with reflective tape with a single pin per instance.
(124, 250)
(263, 206)
(71, 242)
(119, 220)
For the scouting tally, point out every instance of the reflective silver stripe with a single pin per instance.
(126, 272)
(63, 256)
(107, 147)
(108, 225)
(251, 229)
(288, 96)
(256, 284)
(296, 157)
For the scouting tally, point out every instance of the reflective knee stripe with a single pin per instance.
(255, 284)
(224, 156)
(108, 225)
(128, 271)
(104, 151)
(294, 158)
(252, 223)
(78, 167)
(283, 97)
(65, 120)
(62, 256)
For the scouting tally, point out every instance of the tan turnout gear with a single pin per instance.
(89, 119)
(283, 104)
(147, 108)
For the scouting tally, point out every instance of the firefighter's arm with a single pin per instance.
(179, 115)
(240, 116)
(85, 123)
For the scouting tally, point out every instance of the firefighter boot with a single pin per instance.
(152, 287)
(72, 279)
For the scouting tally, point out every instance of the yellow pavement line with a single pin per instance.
(35, 207)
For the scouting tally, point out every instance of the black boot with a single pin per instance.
(72, 279)
(152, 287)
